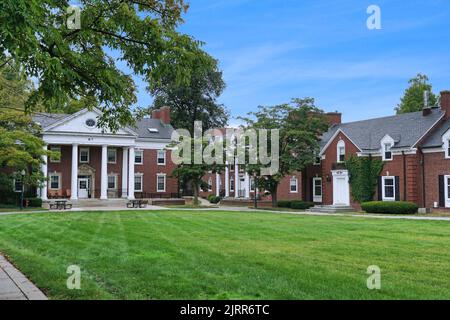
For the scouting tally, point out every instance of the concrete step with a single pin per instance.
(331, 209)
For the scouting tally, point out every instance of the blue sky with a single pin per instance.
(273, 50)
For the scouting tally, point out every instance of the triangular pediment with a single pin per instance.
(84, 121)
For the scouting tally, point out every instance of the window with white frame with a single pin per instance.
(341, 151)
(138, 178)
(161, 157)
(139, 157)
(231, 184)
(317, 189)
(54, 159)
(84, 155)
(317, 160)
(448, 148)
(112, 181)
(161, 182)
(388, 188)
(112, 155)
(293, 184)
(252, 184)
(210, 184)
(17, 185)
(55, 181)
(387, 153)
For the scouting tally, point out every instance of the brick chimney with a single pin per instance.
(163, 114)
(334, 117)
(445, 103)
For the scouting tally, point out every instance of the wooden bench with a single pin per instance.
(137, 204)
(60, 205)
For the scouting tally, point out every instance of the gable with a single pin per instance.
(81, 122)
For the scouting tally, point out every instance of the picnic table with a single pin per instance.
(60, 205)
(138, 203)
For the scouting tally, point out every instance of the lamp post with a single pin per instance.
(22, 174)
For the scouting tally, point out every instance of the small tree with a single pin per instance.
(412, 99)
(363, 172)
(300, 124)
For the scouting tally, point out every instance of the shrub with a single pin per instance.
(284, 203)
(211, 196)
(301, 204)
(35, 202)
(398, 207)
(214, 199)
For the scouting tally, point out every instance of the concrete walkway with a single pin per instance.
(15, 286)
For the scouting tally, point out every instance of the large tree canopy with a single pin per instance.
(413, 98)
(300, 126)
(84, 63)
(196, 101)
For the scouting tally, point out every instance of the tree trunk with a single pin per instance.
(273, 193)
(195, 184)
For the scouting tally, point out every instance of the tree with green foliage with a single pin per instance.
(75, 63)
(363, 177)
(196, 101)
(413, 98)
(300, 124)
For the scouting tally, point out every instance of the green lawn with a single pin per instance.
(226, 255)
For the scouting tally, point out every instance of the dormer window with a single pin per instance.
(387, 151)
(341, 151)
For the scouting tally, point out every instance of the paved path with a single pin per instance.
(15, 286)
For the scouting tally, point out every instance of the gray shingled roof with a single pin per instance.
(435, 138)
(164, 131)
(406, 129)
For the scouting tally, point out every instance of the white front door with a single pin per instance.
(447, 191)
(242, 187)
(341, 188)
(83, 187)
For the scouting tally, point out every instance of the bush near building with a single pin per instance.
(397, 207)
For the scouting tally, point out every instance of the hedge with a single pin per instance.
(397, 207)
(214, 199)
(34, 202)
(295, 204)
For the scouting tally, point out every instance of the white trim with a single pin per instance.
(384, 198)
(387, 140)
(115, 176)
(334, 137)
(141, 176)
(157, 157)
(296, 184)
(433, 150)
(447, 195)
(52, 148)
(54, 174)
(142, 157)
(209, 184)
(317, 198)
(88, 154)
(446, 144)
(157, 184)
(429, 129)
(14, 186)
(336, 175)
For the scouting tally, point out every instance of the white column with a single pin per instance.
(124, 171)
(227, 180)
(44, 170)
(74, 177)
(236, 181)
(247, 185)
(217, 184)
(131, 174)
(104, 174)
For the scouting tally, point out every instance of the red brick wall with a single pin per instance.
(435, 165)
(327, 163)
(63, 167)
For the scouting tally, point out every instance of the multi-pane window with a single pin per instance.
(341, 151)
(387, 151)
(210, 184)
(138, 183)
(139, 157)
(54, 159)
(388, 188)
(448, 188)
(317, 187)
(317, 160)
(84, 155)
(293, 185)
(161, 157)
(112, 181)
(161, 183)
(252, 184)
(112, 155)
(54, 181)
(18, 185)
(231, 184)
